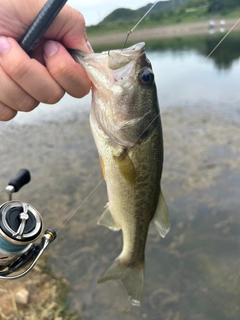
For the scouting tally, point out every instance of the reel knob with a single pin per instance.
(16, 183)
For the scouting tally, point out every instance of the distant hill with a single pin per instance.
(121, 14)
(166, 13)
(127, 14)
(163, 6)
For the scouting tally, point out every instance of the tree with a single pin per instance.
(219, 5)
(196, 3)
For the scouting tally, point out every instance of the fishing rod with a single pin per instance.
(40, 24)
(21, 225)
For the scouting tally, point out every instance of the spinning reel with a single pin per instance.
(20, 226)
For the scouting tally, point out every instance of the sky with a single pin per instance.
(96, 10)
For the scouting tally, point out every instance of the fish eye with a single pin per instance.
(146, 77)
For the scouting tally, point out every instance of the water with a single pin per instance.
(193, 273)
(186, 78)
(183, 75)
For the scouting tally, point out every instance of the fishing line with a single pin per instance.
(75, 211)
(235, 24)
(192, 74)
(127, 151)
(81, 204)
(129, 32)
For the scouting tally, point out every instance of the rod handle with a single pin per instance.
(41, 23)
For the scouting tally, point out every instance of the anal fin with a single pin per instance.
(161, 218)
(107, 220)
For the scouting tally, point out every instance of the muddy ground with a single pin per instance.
(39, 295)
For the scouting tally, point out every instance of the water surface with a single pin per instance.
(184, 77)
(193, 273)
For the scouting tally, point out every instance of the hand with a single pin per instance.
(50, 71)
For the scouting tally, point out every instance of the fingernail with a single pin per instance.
(90, 47)
(4, 45)
(50, 48)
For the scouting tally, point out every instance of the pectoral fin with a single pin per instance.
(107, 220)
(161, 218)
(126, 167)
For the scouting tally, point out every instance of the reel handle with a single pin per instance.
(21, 178)
(20, 226)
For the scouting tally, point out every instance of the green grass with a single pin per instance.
(161, 19)
(232, 14)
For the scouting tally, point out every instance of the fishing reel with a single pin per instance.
(20, 226)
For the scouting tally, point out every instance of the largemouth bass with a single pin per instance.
(127, 130)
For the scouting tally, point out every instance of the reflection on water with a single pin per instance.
(224, 56)
(193, 273)
(184, 78)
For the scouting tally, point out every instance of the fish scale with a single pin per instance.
(127, 130)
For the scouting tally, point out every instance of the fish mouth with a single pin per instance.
(111, 67)
(136, 47)
(116, 59)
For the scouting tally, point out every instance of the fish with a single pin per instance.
(126, 126)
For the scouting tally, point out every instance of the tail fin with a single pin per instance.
(131, 277)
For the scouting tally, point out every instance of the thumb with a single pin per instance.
(62, 67)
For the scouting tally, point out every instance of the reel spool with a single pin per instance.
(20, 226)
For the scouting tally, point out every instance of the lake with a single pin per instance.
(184, 78)
(194, 272)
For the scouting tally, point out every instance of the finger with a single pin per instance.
(68, 27)
(73, 32)
(6, 113)
(69, 74)
(13, 96)
(28, 73)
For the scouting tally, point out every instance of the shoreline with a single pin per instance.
(161, 32)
